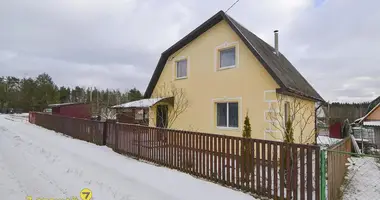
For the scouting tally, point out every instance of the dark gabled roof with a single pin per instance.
(283, 72)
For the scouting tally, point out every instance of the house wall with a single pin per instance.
(375, 115)
(248, 83)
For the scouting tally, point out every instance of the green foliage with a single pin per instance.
(35, 94)
(134, 94)
(289, 135)
(247, 127)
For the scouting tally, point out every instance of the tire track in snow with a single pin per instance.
(126, 187)
(22, 167)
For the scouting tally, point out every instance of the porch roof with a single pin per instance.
(143, 103)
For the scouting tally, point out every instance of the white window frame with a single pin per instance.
(227, 115)
(225, 46)
(176, 68)
(175, 61)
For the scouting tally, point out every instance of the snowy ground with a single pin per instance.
(363, 179)
(41, 163)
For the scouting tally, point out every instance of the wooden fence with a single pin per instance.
(266, 168)
(336, 167)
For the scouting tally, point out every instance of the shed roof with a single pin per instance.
(64, 104)
(143, 103)
(283, 72)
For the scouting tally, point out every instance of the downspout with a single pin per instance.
(315, 124)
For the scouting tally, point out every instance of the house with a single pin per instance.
(371, 123)
(78, 110)
(221, 72)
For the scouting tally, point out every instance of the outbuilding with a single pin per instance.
(77, 110)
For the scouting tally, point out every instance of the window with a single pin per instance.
(227, 58)
(227, 115)
(287, 112)
(181, 68)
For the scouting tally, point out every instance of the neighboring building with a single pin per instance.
(371, 121)
(78, 110)
(226, 72)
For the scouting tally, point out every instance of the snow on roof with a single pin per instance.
(327, 141)
(143, 103)
(371, 123)
(63, 104)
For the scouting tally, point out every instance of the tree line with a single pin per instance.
(35, 94)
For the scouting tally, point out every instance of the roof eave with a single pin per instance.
(290, 92)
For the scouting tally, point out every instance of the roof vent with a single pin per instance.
(276, 42)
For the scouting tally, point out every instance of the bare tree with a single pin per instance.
(177, 104)
(292, 116)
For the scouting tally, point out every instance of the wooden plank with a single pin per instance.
(208, 167)
(252, 164)
(223, 159)
(269, 169)
(228, 162)
(238, 163)
(295, 172)
(282, 172)
(288, 172)
(250, 167)
(219, 158)
(243, 164)
(317, 173)
(302, 173)
(309, 178)
(258, 164)
(275, 172)
(199, 155)
(233, 162)
(263, 168)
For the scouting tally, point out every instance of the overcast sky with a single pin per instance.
(117, 43)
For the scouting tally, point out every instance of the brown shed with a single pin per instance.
(77, 110)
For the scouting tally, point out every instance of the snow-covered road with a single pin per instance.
(40, 163)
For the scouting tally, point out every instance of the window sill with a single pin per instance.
(228, 128)
(181, 78)
(227, 67)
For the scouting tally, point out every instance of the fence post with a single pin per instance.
(323, 174)
(138, 141)
(105, 132)
(116, 137)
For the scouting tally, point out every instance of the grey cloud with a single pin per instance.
(117, 43)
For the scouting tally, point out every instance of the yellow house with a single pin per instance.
(221, 72)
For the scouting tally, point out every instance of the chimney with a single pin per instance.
(276, 42)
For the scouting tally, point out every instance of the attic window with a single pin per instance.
(227, 58)
(181, 69)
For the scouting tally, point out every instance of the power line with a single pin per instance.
(232, 5)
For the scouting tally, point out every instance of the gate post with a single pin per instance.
(323, 174)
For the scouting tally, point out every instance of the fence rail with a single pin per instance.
(336, 167)
(267, 168)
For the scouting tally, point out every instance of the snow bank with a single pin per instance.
(41, 163)
(363, 179)
(327, 141)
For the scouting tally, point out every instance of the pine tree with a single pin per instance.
(247, 127)
(246, 155)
